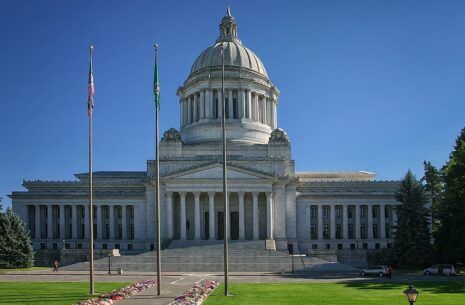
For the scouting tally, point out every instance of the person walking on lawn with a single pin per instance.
(55, 266)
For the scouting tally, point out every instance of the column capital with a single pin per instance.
(196, 194)
(211, 194)
(182, 194)
(168, 194)
(255, 194)
(269, 195)
(241, 194)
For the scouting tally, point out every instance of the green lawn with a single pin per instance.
(50, 293)
(386, 293)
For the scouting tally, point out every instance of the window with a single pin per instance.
(362, 231)
(129, 246)
(375, 231)
(152, 247)
(43, 246)
(375, 212)
(338, 231)
(339, 246)
(328, 246)
(215, 108)
(377, 246)
(313, 212)
(362, 212)
(386, 211)
(365, 246)
(325, 231)
(104, 246)
(325, 212)
(338, 212)
(54, 246)
(314, 246)
(116, 246)
(350, 212)
(351, 231)
(226, 107)
(235, 108)
(313, 234)
(79, 246)
(67, 246)
(389, 245)
(120, 231)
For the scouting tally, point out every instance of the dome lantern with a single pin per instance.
(228, 27)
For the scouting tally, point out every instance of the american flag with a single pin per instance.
(91, 90)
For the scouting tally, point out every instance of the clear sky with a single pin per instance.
(365, 85)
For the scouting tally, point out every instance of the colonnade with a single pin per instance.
(333, 221)
(240, 104)
(66, 221)
(182, 220)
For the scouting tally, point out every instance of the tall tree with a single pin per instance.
(434, 185)
(450, 238)
(15, 243)
(412, 242)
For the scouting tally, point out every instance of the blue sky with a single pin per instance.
(365, 85)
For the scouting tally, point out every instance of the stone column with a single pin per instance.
(332, 213)
(230, 104)
(345, 223)
(99, 222)
(37, 221)
(257, 109)
(74, 217)
(382, 222)
(269, 215)
(86, 221)
(197, 215)
(124, 222)
(320, 221)
(249, 103)
(242, 107)
(275, 121)
(49, 222)
(211, 215)
(265, 111)
(62, 222)
(272, 114)
(169, 215)
(255, 216)
(370, 221)
(182, 223)
(194, 115)
(357, 221)
(241, 215)
(112, 221)
(189, 112)
(202, 104)
(219, 105)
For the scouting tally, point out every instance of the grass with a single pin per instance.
(390, 293)
(6, 271)
(50, 293)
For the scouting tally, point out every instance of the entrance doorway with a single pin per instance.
(206, 226)
(234, 225)
(220, 223)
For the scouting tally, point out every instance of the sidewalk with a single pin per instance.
(150, 297)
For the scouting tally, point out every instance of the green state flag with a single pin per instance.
(156, 82)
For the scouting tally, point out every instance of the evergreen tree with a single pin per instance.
(15, 243)
(412, 242)
(434, 185)
(450, 238)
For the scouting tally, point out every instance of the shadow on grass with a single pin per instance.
(423, 286)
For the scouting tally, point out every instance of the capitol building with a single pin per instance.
(269, 199)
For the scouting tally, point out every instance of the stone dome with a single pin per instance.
(235, 54)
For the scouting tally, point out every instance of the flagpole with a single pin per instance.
(225, 193)
(157, 180)
(91, 214)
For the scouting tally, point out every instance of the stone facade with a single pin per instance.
(316, 211)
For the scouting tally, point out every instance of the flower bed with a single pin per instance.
(123, 293)
(197, 294)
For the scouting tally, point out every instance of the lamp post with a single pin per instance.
(411, 294)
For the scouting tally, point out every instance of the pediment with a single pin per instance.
(215, 171)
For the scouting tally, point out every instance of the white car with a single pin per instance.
(445, 269)
(379, 270)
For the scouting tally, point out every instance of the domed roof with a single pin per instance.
(235, 54)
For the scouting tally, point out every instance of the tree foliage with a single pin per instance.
(450, 235)
(15, 243)
(412, 243)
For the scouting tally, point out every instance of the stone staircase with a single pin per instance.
(207, 256)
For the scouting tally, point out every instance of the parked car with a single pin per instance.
(379, 270)
(445, 269)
